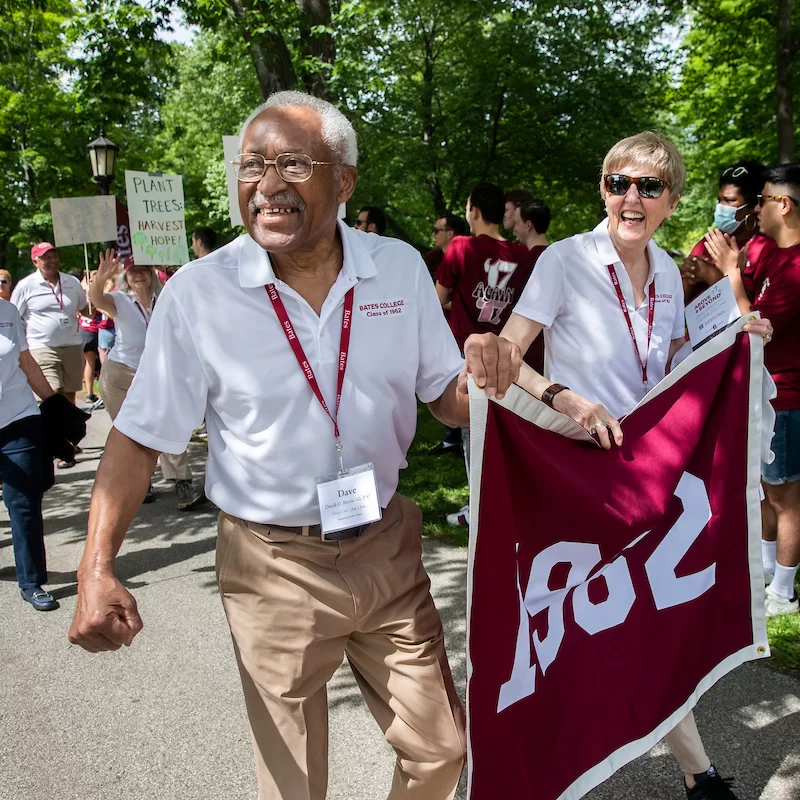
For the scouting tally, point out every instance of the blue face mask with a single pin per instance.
(725, 218)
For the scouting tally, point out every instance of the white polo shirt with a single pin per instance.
(40, 306)
(130, 324)
(588, 344)
(16, 398)
(216, 349)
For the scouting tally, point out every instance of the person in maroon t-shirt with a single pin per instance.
(483, 275)
(735, 215)
(445, 229)
(480, 279)
(774, 286)
(530, 228)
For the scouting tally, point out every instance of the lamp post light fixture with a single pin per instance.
(103, 155)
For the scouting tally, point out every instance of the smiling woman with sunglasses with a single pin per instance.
(610, 303)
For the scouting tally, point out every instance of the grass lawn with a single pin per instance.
(438, 485)
(784, 640)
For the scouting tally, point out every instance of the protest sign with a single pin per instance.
(82, 220)
(594, 573)
(230, 147)
(156, 212)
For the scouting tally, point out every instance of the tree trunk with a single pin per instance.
(429, 138)
(785, 52)
(319, 46)
(271, 57)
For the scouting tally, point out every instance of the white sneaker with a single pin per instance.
(775, 605)
(461, 517)
(768, 576)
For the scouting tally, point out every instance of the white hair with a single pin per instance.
(124, 287)
(337, 131)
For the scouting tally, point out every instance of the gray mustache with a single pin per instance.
(286, 198)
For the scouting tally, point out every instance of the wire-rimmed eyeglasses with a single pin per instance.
(291, 167)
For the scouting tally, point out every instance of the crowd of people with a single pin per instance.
(56, 331)
(339, 331)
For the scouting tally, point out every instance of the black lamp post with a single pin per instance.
(103, 155)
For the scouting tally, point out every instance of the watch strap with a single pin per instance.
(551, 391)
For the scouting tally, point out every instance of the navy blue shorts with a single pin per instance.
(786, 446)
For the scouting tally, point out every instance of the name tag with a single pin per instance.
(64, 321)
(348, 499)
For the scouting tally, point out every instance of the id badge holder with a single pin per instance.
(348, 498)
(63, 321)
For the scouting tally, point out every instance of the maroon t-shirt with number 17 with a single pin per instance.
(486, 277)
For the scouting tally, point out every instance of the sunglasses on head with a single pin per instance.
(735, 172)
(647, 187)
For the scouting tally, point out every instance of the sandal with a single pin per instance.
(66, 464)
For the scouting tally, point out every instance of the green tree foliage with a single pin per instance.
(66, 69)
(215, 89)
(527, 94)
(443, 93)
(724, 103)
(290, 43)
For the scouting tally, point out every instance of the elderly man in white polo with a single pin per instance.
(310, 405)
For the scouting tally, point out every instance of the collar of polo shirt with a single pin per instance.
(255, 267)
(607, 253)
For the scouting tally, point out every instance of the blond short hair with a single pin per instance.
(651, 152)
(4, 273)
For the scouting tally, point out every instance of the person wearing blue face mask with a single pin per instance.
(734, 214)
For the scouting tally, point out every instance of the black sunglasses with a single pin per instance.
(648, 187)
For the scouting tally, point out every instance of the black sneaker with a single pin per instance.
(189, 496)
(710, 786)
(150, 497)
(39, 598)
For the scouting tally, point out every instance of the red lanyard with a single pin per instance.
(141, 311)
(297, 349)
(651, 309)
(59, 300)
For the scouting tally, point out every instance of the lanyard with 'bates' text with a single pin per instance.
(297, 349)
(60, 296)
(651, 308)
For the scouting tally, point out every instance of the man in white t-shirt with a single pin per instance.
(305, 345)
(49, 302)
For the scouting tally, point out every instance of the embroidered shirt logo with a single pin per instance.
(385, 308)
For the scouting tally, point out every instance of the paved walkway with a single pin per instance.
(165, 718)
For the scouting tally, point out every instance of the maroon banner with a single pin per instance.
(609, 589)
(124, 245)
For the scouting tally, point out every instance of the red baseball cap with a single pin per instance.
(38, 250)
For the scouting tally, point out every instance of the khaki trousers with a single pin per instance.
(115, 380)
(686, 745)
(62, 366)
(296, 606)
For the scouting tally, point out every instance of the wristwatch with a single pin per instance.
(551, 391)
